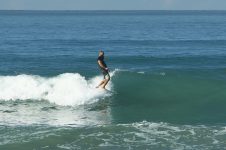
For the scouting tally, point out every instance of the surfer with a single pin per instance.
(104, 69)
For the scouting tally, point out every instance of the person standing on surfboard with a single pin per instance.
(104, 69)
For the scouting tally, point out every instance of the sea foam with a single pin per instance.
(64, 89)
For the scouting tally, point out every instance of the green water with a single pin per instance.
(167, 89)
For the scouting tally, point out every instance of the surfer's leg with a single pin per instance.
(106, 81)
(101, 83)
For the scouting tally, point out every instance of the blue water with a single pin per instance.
(167, 88)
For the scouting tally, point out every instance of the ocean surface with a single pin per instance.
(167, 88)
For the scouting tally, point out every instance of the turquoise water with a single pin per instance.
(167, 89)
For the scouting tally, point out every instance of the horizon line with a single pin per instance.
(112, 10)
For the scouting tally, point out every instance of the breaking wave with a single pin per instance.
(65, 89)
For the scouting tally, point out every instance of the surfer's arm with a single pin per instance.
(101, 65)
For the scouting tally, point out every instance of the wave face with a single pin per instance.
(174, 97)
(64, 89)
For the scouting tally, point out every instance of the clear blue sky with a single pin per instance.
(113, 4)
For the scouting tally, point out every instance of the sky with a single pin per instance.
(112, 4)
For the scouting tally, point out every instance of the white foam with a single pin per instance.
(64, 89)
(141, 72)
(162, 73)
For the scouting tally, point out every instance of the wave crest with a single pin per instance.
(64, 89)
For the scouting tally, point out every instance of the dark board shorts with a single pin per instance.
(106, 74)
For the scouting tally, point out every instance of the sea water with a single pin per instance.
(167, 87)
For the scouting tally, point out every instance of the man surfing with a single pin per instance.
(102, 65)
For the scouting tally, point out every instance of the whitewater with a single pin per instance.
(65, 89)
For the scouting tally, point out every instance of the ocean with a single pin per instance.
(167, 87)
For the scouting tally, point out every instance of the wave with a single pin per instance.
(168, 96)
(64, 89)
(136, 96)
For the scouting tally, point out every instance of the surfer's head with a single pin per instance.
(101, 53)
